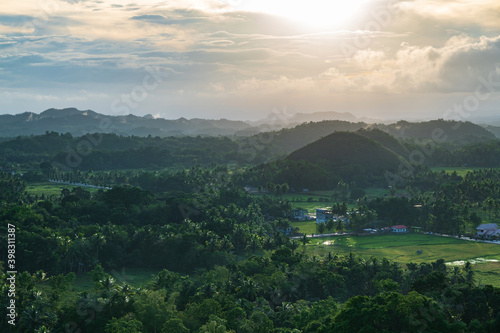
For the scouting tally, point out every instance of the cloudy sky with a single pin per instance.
(240, 59)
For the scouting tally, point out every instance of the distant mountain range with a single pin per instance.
(290, 132)
(79, 122)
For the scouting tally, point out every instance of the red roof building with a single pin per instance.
(399, 228)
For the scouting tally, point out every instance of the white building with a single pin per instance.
(488, 230)
(399, 228)
(323, 215)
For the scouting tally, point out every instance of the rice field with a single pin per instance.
(403, 249)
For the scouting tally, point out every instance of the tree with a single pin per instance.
(126, 324)
(329, 224)
(174, 326)
(340, 226)
(469, 273)
(321, 228)
(293, 245)
(391, 312)
(98, 240)
(357, 193)
(305, 240)
(152, 310)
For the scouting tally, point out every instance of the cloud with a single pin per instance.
(481, 13)
(218, 55)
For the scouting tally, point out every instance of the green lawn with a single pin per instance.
(488, 273)
(403, 248)
(375, 192)
(461, 171)
(307, 227)
(321, 199)
(135, 277)
(49, 188)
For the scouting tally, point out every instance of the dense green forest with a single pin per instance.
(222, 258)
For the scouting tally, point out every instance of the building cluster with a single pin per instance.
(489, 230)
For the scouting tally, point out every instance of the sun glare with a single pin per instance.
(318, 13)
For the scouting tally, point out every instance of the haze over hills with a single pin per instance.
(290, 131)
(438, 130)
(79, 122)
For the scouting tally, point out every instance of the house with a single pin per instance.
(488, 230)
(288, 230)
(299, 214)
(399, 228)
(323, 215)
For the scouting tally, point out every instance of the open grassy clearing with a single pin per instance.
(461, 171)
(488, 273)
(48, 188)
(136, 277)
(307, 227)
(403, 248)
(321, 199)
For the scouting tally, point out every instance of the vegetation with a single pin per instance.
(170, 241)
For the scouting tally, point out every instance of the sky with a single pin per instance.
(245, 59)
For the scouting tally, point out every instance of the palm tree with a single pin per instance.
(329, 224)
(321, 228)
(248, 289)
(469, 273)
(305, 240)
(340, 226)
(98, 240)
(293, 245)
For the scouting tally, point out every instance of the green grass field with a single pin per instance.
(488, 273)
(307, 227)
(136, 277)
(403, 248)
(461, 171)
(49, 189)
(321, 199)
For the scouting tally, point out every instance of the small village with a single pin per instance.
(489, 232)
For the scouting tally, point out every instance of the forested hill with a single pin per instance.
(282, 141)
(346, 153)
(111, 151)
(345, 156)
(289, 139)
(79, 122)
(455, 131)
(449, 133)
(385, 140)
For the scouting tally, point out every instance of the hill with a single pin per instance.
(493, 129)
(451, 131)
(79, 122)
(286, 140)
(385, 140)
(342, 151)
(111, 151)
(346, 156)
(449, 134)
